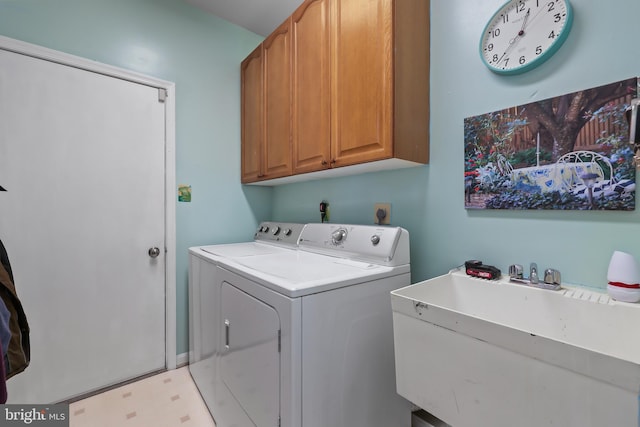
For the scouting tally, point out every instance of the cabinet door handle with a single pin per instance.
(324, 163)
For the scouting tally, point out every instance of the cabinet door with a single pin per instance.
(362, 94)
(311, 86)
(251, 117)
(277, 102)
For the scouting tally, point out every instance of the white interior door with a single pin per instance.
(82, 159)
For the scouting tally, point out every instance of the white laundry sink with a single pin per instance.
(478, 353)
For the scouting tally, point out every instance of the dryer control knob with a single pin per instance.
(287, 232)
(276, 230)
(375, 239)
(339, 235)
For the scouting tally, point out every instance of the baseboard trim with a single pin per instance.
(182, 359)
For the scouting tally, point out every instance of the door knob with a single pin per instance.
(154, 252)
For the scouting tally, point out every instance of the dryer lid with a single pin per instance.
(241, 250)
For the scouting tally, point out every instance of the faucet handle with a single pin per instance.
(515, 271)
(552, 276)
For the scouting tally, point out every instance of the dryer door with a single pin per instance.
(250, 363)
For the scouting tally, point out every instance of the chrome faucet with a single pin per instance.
(551, 277)
(533, 273)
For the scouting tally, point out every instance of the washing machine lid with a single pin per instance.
(299, 273)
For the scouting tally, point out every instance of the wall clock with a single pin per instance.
(523, 34)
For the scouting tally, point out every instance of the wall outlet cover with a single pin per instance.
(386, 209)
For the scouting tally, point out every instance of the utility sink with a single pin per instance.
(481, 353)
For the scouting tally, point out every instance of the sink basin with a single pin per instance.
(477, 353)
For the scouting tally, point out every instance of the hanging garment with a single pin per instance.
(5, 330)
(18, 354)
(3, 381)
(4, 259)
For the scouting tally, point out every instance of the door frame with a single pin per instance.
(62, 58)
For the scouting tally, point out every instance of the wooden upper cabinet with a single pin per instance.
(251, 117)
(311, 86)
(362, 68)
(277, 102)
(411, 80)
(380, 86)
(345, 82)
(266, 108)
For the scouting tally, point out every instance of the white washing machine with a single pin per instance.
(300, 336)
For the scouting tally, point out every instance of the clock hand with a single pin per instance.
(534, 16)
(512, 42)
(524, 22)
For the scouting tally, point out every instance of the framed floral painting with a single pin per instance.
(568, 152)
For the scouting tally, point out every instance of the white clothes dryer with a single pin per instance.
(300, 336)
(269, 238)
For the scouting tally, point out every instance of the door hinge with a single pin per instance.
(279, 339)
(162, 95)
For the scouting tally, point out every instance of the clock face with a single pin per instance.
(525, 33)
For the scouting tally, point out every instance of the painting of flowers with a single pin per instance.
(568, 152)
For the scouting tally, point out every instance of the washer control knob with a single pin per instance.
(265, 229)
(375, 239)
(287, 232)
(276, 230)
(339, 235)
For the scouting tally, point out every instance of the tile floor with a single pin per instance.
(169, 399)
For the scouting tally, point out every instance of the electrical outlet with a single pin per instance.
(324, 211)
(382, 213)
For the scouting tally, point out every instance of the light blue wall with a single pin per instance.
(171, 40)
(428, 201)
